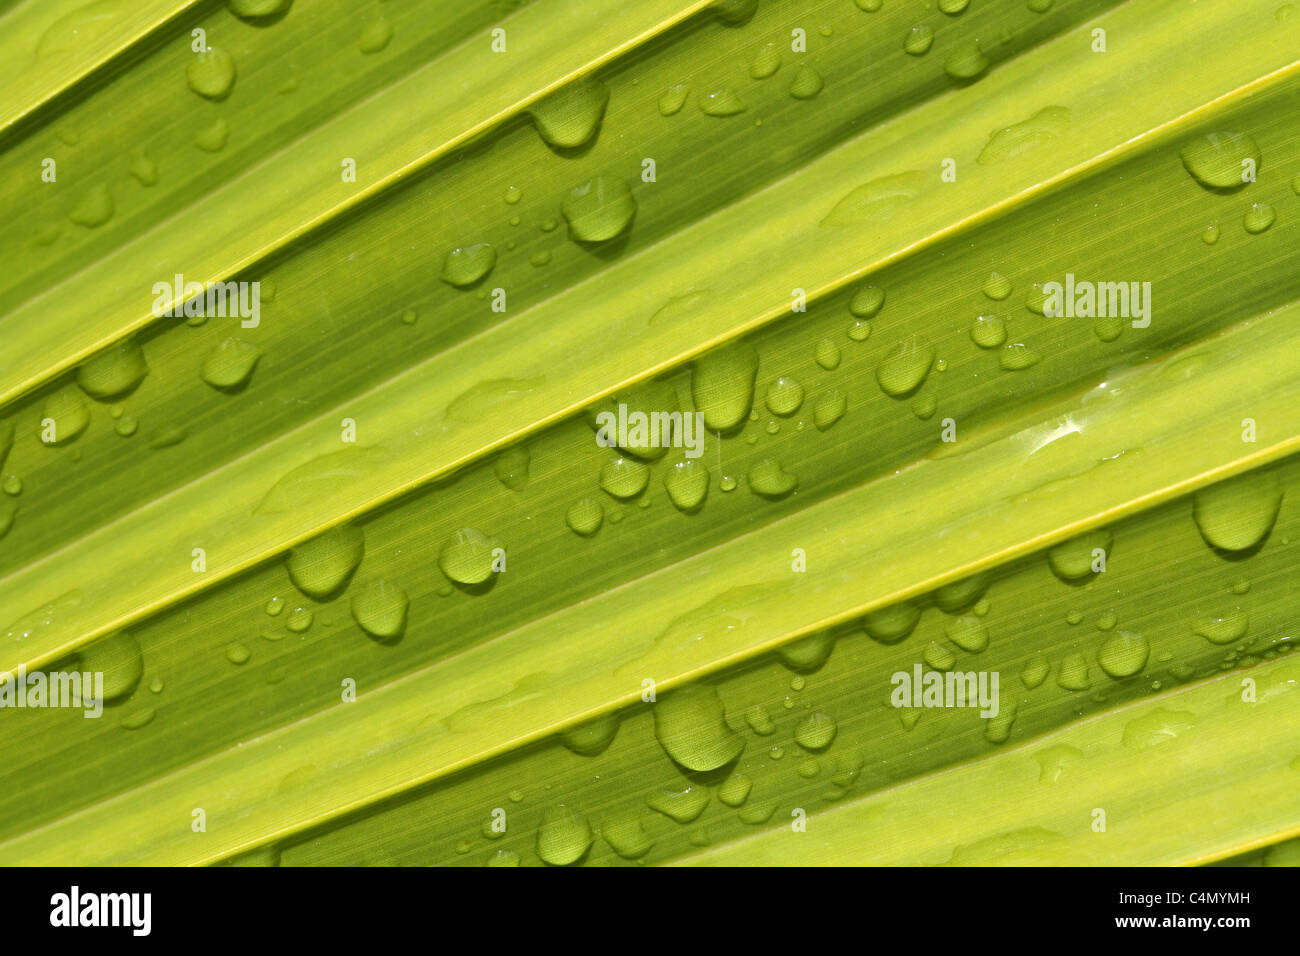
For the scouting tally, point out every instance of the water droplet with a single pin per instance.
(156, 686)
(766, 61)
(757, 813)
(486, 397)
(828, 354)
(918, 40)
(299, 620)
(768, 478)
(320, 567)
(237, 653)
(599, 209)
(673, 99)
(966, 62)
(570, 116)
(114, 372)
(84, 28)
(8, 510)
(585, 516)
(511, 467)
(869, 6)
(1108, 328)
(877, 200)
(542, 257)
(375, 35)
(1237, 514)
(1039, 6)
(722, 385)
(1072, 559)
(828, 408)
(94, 208)
(784, 396)
(859, 331)
(1227, 628)
(807, 83)
(997, 286)
(760, 722)
(1123, 654)
(682, 806)
(321, 476)
(969, 633)
(891, 624)
(959, 595)
(816, 731)
(70, 413)
(119, 658)
(166, 436)
(1258, 218)
(1056, 760)
(721, 102)
(953, 7)
(213, 137)
(467, 558)
(140, 718)
(1211, 234)
(727, 483)
(624, 477)
(690, 726)
(905, 366)
(1042, 129)
(274, 606)
(687, 482)
(503, 858)
(1157, 726)
(1073, 674)
(1074, 616)
(126, 427)
(13, 485)
(211, 74)
(564, 836)
(1216, 160)
(627, 837)
(939, 657)
(255, 9)
(466, 265)
(379, 608)
(1017, 357)
(230, 364)
(734, 12)
(1035, 671)
(593, 736)
(988, 331)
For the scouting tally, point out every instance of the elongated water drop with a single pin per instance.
(721, 102)
(379, 608)
(891, 624)
(511, 467)
(766, 62)
(94, 208)
(1226, 628)
(919, 40)
(375, 35)
(1073, 559)
(722, 385)
(1042, 129)
(627, 837)
(593, 736)
(71, 416)
(687, 482)
(828, 408)
(680, 806)
(1259, 217)
(768, 478)
(119, 658)
(673, 99)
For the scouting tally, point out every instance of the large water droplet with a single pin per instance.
(599, 209)
(969, 633)
(828, 408)
(960, 595)
(816, 731)
(766, 62)
(1072, 559)
(467, 558)
(627, 837)
(112, 373)
(230, 364)
(966, 62)
(691, 728)
(808, 653)
(70, 413)
(807, 83)
(1218, 160)
(211, 74)
(119, 658)
(768, 478)
(319, 567)
(585, 516)
(722, 385)
(379, 608)
(905, 367)
(890, 625)
(673, 99)
(593, 736)
(784, 396)
(988, 331)
(1227, 628)
(1236, 514)
(687, 482)
(1073, 674)
(466, 265)
(681, 806)
(570, 116)
(1123, 654)
(564, 836)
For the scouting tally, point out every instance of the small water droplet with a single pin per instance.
(807, 83)
(828, 408)
(300, 620)
(769, 479)
(988, 331)
(766, 62)
(918, 40)
(891, 624)
(1259, 217)
(274, 606)
(237, 653)
(673, 99)
(379, 607)
(211, 74)
(375, 35)
(321, 566)
(687, 483)
(1017, 356)
(816, 731)
(1211, 234)
(721, 102)
(1226, 628)
(966, 62)
(599, 209)
(213, 137)
(969, 633)
(860, 331)
(570, 117)
(784, 396)
(94, 208)
(466, 265)
(905, 367)
(230, 364)
(467, 557)
(1073, 673)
